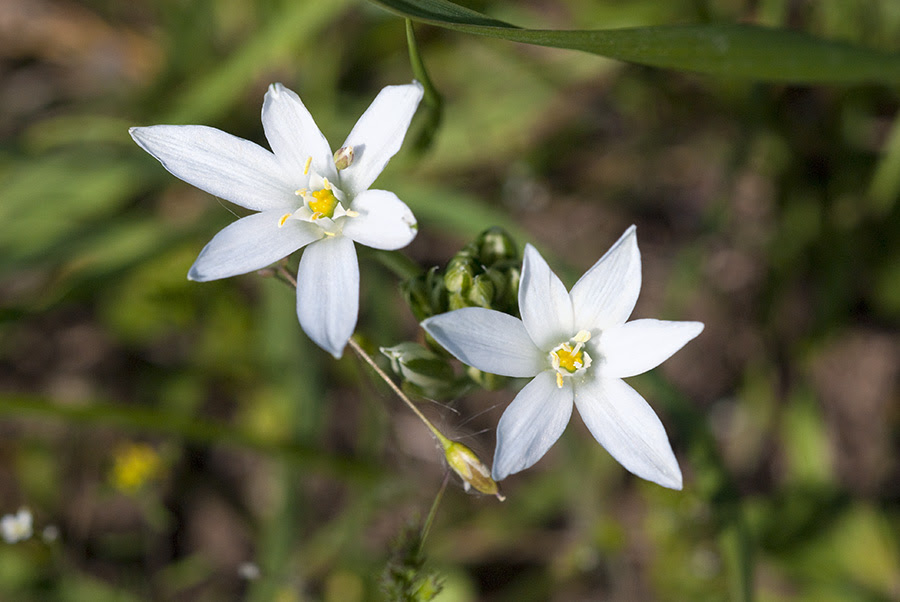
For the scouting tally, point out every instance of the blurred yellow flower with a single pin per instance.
(134, 465)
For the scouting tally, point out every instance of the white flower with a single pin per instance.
(303, 198)
(16, 527)
(577, 347)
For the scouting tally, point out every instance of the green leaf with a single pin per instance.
(740, 51)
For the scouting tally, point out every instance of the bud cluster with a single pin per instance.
(485, 273)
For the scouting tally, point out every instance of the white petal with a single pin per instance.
(635, 347)
(384, 221)
(328, 293)
(378, 134)
(223, 165)
(251, 243)
(294, 136)
(607, 292)
(488, 340)
(531, 424)
(629, 429)
(544, 302)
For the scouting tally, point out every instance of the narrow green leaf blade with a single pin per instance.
(740, 51)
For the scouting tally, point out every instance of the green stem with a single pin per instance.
(431, 101)
(444, 441)
(426, 528)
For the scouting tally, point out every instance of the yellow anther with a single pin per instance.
(300, 192)
(343, 157)
(559, 380)
(351, 213)
(306, 167)
(326, 184)
(284, 218)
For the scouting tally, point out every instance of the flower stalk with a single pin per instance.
(461, 459)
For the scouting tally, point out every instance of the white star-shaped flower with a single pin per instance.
(578, 348)
(305, 195)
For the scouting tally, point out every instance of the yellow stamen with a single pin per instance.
(306, 167)
(324, 204)
(326, 184)
(352, 213)
(570, 359)
(301, 192)
(284, 218)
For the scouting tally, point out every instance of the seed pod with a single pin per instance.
(471, 470)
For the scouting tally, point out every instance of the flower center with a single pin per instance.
(321, 206)
(570, 358)
(323, 203)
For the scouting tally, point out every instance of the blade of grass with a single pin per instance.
(186, 427)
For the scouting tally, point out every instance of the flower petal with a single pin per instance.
(488, 340)
(223, 165)
(294, 136)
(328, 293)
(544, 302)
(384, 221)
(531, 424)
(251, 243)
(640, 345)
(622, 421)
(378, 135)
(607, 292)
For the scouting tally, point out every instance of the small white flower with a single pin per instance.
(577, 347)
(303, 198)
(50, 533)
(16, 527)
(249, 571)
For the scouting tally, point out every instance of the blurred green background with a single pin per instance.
(173, 432)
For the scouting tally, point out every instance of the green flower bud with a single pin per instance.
(486, 380)
(456, 301)
(459, 274)
(471, 470)
(427, 373)
(417, 364)
(495, 244)
(481, 294)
